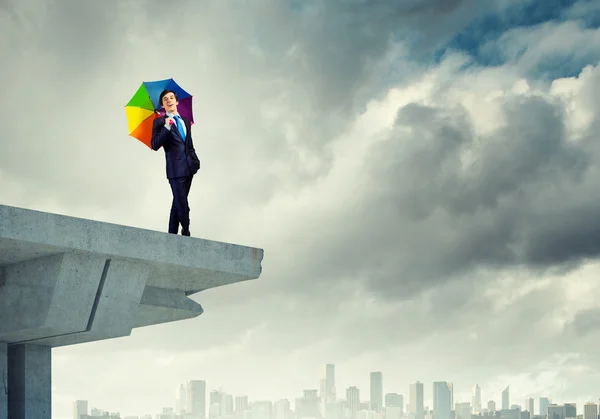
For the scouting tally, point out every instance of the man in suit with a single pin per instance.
(173, 134)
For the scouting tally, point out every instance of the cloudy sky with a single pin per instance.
(424, 177)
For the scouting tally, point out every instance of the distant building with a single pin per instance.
(196, 398)
(394, 400)
(464, 411)
(529, 403)
(80, 408)
(590, 411)
(506, 398)
(442, 400)
(509, 414)
(376, 391)
(263, 409)
(416, 400)
(476, 401)
(544, 403)
(353, 401)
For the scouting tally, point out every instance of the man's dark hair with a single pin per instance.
(163, 93)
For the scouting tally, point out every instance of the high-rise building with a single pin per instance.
(544, 403)
(590, 411)
(214, 397)
(416, 400)
(80, 407)
(180, 404)
(562, 411)
(529, 406)
(196, 398)
(491, 406)
(394, 400)
(353, 400)
(376, 391)
(506, 398)
(308, 406)
(226, 404)
(463, 411)
(282, 409)
(329, 377)
(556, 411)
(263, 409)
(442, 400)
(570, 410)
(241, 405)
(510, 414)
(96, 412)
(476, 398)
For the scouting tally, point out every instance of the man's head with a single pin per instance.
(168, 100)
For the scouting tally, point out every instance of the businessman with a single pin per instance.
(173, 134)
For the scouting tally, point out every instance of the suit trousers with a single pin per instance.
(180, 210)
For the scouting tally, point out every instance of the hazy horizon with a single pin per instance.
(464, 395)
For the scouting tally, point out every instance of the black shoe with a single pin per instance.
(185, 233)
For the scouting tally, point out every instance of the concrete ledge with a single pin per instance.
(66, 280)
(159, 305)
(177, 262)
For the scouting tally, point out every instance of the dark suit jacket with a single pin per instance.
(180, 155)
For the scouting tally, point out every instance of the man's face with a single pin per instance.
(170, 103)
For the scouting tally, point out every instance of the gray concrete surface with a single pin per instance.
(3, 381)
(29, 382)
(66, 280)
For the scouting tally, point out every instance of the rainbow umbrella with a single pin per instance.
(143, 108)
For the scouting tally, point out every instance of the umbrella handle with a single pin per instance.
(159, 114)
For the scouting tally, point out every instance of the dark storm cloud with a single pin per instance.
(329, 58)
(340, 43)
(425, 213)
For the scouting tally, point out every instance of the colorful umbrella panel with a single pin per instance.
(143, 108)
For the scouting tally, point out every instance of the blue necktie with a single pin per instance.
(180, 126)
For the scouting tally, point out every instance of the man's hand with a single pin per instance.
(169, 121)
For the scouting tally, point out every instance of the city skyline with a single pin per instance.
(205, 396)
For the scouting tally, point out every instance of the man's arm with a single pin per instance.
(189, 128)
(192, 149)
(192, 145)
(159, 134)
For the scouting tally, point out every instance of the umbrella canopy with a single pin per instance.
(143, 108)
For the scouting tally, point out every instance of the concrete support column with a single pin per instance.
(3, 381)
(29, 382)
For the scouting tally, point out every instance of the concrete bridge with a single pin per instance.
(66, 280)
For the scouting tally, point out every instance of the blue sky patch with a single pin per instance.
(489, 28)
